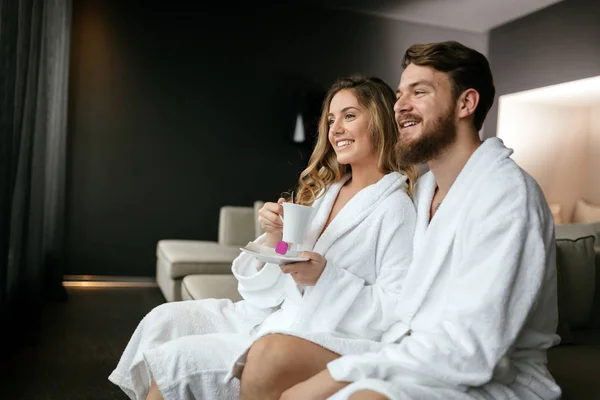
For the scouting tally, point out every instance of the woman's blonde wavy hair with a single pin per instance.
(323, 168)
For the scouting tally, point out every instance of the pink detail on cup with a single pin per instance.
(281, 248)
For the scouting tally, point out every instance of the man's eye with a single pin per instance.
(419, 91)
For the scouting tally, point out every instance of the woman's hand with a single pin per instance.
(306, 273)
(269, 217)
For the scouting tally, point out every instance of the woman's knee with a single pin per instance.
(271, 350)
(367, 395)
(270, 355)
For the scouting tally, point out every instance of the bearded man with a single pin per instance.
(479, 304)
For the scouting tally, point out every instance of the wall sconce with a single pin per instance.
(299, 131)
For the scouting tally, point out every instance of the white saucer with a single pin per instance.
(268, 254)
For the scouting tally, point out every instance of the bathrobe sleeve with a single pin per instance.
(260, 284)
(369, 309)
(492, 291)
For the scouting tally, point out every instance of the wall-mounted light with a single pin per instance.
(299, 131)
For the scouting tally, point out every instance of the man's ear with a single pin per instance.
(467, 103)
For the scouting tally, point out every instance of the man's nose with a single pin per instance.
(402, 105)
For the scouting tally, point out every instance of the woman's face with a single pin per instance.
(349, 130)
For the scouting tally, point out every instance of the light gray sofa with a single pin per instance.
(193, 269)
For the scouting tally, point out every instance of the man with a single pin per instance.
(479, 308)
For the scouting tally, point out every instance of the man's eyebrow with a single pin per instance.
(345, 109)
(416, 83)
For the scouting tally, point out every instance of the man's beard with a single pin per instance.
(433, 140)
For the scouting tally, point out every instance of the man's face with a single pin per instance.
(425, 111)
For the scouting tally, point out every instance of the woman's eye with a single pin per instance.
(349, 116)
(330, 122)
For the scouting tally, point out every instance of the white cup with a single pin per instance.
(296, 218)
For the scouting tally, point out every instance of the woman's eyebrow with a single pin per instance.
(345, 109)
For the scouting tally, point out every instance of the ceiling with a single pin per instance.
(466, 15)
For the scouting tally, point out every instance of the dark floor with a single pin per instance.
(78, 344)
(79, 341)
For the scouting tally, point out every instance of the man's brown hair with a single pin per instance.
(466, 68)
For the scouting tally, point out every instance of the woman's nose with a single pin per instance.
(336, 128)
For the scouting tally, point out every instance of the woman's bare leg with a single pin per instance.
(154, 393)
(367, 395)
(277, 362)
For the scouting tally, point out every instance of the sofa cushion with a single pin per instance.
(187, 257)
(576, 231)
(236, 225)
(576, 367)
(586, 212)
(556, 210)
(595, 322)
(564, 327)
(196, 287)
(576, 280)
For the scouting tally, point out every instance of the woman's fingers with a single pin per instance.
(268, 216)
(292, 268)
(312, 256)
(306, 273)
(270, 219)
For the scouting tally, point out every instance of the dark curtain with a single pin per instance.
(34, 59)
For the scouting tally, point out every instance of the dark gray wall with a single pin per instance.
(175, 112)
(558, 44)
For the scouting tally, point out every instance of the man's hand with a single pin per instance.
(306, 273)
(319, 387)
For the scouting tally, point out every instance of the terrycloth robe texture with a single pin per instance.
(479, 304)
(189, 347)
(368, 248)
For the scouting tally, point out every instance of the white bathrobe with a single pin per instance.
(479, 304)
(191, 348)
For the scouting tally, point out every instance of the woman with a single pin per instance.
(344, 298)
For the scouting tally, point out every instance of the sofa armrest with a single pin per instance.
(197, 287)
(236, 225)
(179, 258)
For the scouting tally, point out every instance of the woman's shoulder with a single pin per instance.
(399, 185)
(398, 205)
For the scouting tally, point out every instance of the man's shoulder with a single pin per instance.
(507, 177)
(508, 188)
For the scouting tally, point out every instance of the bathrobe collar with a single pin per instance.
(441, 231)
(356, 210)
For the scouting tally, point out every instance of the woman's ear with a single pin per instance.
(467, 103)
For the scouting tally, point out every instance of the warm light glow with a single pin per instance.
(109, 284)
(555, 134)
(581, 93)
